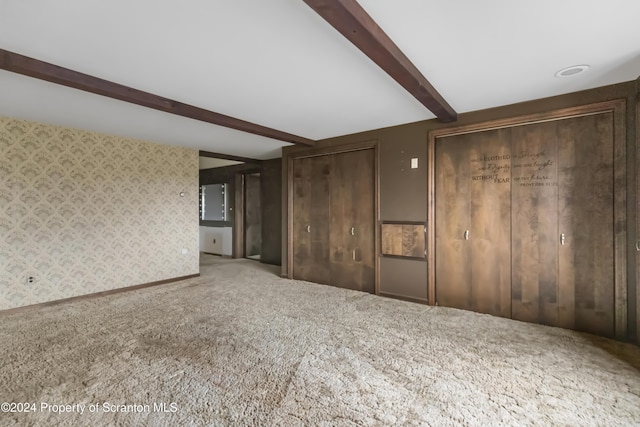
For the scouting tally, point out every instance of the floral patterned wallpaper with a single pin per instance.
(83, 212)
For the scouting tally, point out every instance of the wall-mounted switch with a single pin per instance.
(414, 163)
(184, 251)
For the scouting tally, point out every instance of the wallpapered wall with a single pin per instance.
(85, 212)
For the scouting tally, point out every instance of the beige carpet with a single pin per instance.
(240, 346)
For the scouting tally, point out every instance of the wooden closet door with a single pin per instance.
(586, 202)
(472, 214)
(311, 201)
(490, 236)
(352, 233)
(534, 221)
(452, 219)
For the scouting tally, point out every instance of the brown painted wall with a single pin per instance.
(403, 191)
(252, 215)
(271, 195)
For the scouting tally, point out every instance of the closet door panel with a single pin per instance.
(586, 201)
(352, 233)
(490, 231)
(311, 200)
(534, 219)
(452, 219)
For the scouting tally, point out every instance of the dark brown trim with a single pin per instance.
(431, 228)
(226, 174)
(213, 155)
(636, 181)
(96, 294)
(404, 222)
(616, 106)
(403, 298)
(31, 67)
(415, 258)
(377, 232)
(354, 23)
(238, 227)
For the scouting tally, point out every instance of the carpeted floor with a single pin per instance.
(241, 346)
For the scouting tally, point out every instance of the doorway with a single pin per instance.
(252, 217)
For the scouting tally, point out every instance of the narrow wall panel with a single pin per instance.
(252, 215)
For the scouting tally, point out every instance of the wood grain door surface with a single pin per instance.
(352, 235)
(333, 219)
(472, 206)
(311, 203)
(524, 222)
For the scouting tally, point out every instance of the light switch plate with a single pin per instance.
(414, 163)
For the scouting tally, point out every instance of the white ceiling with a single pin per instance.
(278, 64)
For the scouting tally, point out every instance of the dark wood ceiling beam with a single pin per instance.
(31, 67)
(213, 155)
(354, 23)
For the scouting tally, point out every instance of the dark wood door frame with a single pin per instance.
(617, 107)
(288, 158)
(636, 246)
(238, 248)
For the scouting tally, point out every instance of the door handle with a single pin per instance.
(562, 239)
(308, 229)
(638, 245)
(466, 234)
(353, 231)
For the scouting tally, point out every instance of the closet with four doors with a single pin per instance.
(332, 208)
(528, 223)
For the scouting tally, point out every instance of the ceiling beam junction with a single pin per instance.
(354, 23)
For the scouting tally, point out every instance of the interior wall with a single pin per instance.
(270, 198)
(252, 215)
(403, 191)
(83, 212)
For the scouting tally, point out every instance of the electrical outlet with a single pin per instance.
(30, 280)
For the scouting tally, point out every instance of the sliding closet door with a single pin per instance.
(472, 222)
(534, 221)
(352, 234)
(586, 202)
(311, 202)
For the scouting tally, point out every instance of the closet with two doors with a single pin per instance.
(529, 219)
(332, 209)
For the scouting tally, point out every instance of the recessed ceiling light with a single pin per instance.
(572, 71)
